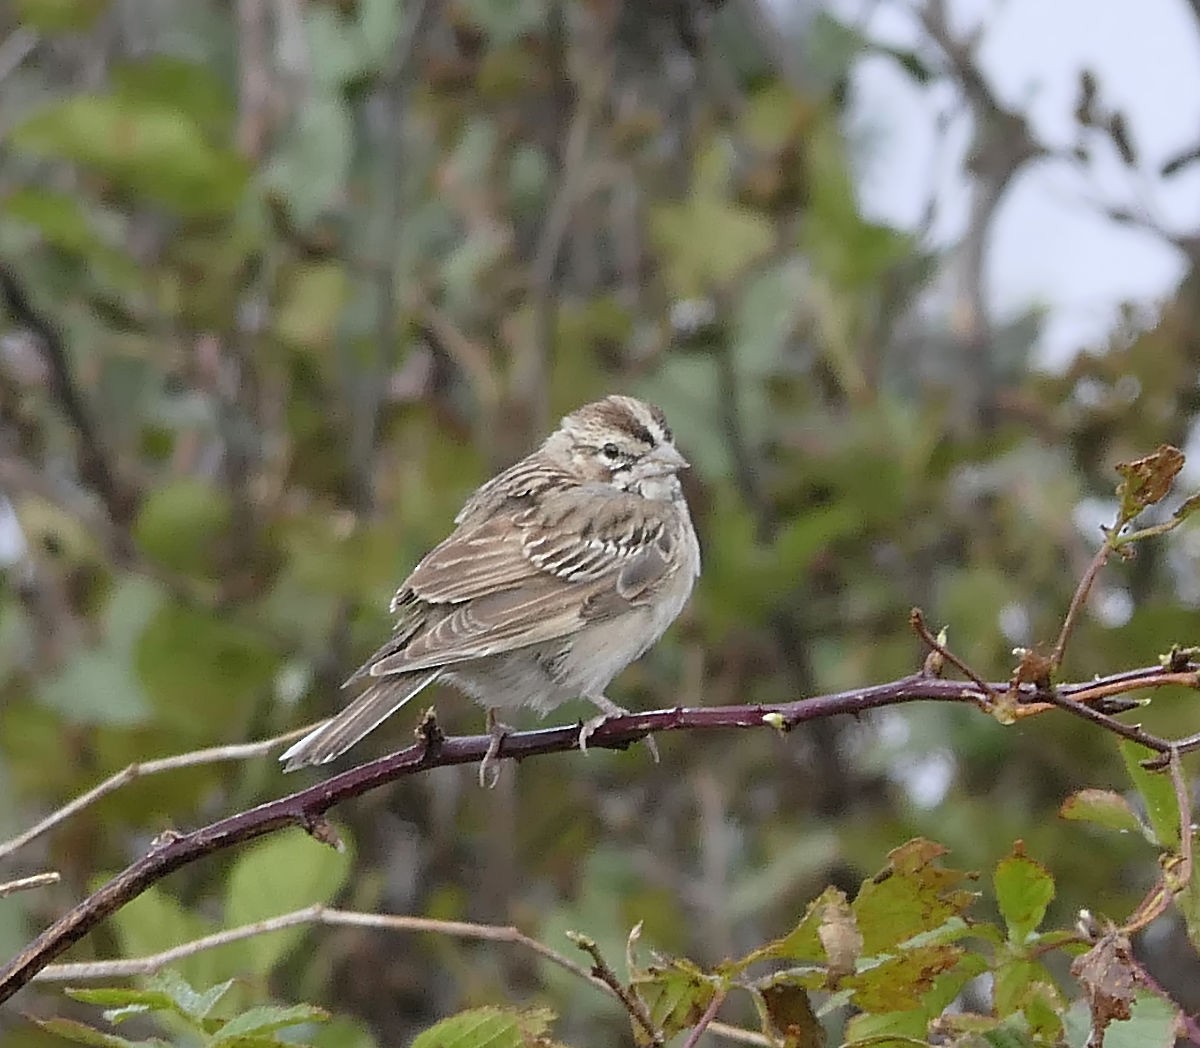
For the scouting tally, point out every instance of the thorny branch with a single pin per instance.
(306, 808)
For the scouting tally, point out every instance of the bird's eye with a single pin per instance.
(610, 451)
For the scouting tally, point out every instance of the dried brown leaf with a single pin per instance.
(1109, 979)
(1146, 481)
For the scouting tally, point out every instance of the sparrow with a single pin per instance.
(560, 572)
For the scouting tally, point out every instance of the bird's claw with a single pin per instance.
(489, 767)
(588, 729)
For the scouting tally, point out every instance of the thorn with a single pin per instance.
(321, 829)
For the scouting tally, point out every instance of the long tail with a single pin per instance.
(365, 713)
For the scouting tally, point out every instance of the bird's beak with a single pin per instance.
(666, 459)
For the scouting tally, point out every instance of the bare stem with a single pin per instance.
(236, 752)
(130, 966)
(917, 620)
(1079, 599)
(23, 884)
(710, 1013)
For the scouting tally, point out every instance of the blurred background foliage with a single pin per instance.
(288, 278)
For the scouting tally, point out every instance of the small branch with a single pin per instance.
(305, 807)
(1184, 800)
(917, 620)
(214, 755)
(710, 1013)
(1079, 599)
(736, 1033)
(1102, 720)
(128, 967)
(131, 966)
(634, 1005)
(36, 880)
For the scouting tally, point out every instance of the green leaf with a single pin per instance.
(59, 16)
(901, 982)
(117, 998)
(708, 243)
(154, 922)
(1015, 979)
(152, 150)
(61, 220)
(1103, 808)
(676, 995)
(311, 301)
(167, 992)
(182, 526)
(1152, 1023)
(71, 1030)
(98, 685)
(911, 895)
(285, 872)
(850, 251)
(1024, 889)
(312, 165)
(802, 943)
(488, 1028)
(201, 670)
(192, 1004)
(186, 87)
(1158, 794)
(266, 1019)
(915, 1022)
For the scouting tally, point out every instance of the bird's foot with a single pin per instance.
(609, 709)
(489, 767)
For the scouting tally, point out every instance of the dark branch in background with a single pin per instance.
(1000, 148)
(307, 808)
(95, 468)
(384, 112)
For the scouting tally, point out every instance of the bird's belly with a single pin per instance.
(580, 665)
(518, 678)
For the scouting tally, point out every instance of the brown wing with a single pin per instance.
(526, 575)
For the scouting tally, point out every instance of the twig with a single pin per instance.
(305, 806)
(917, 621)
(1127, 731)
(634, 1005)
(706, 1019)
(1191, 1027)
(1078, 600)
(316, 914)
(35, 880)
(1093, 693)
(736, 1033)
(1184, 800)
(323, 915)
(214, 755)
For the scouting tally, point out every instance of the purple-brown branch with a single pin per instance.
(307, 807)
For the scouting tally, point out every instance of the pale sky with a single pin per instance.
(1049, 246)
